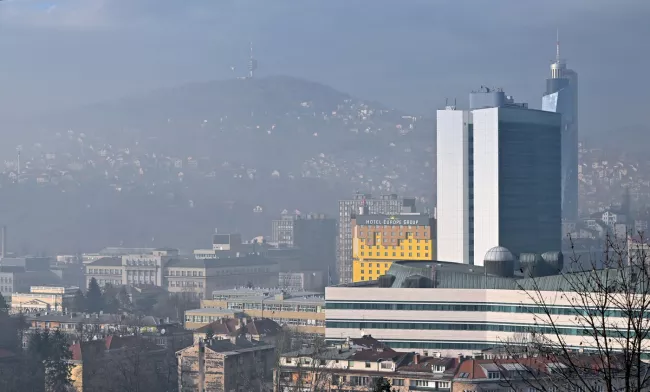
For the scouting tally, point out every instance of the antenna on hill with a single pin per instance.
(252, 64)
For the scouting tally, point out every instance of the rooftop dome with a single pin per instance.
(498, 253)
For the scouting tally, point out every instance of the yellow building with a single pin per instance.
(378, 240)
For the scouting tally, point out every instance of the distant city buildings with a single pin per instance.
(561, 96)
(378, 240)
(314, 235)
(385, 204)
(498, 180)
(302, 281)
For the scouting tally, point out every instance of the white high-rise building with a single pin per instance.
(498, 179)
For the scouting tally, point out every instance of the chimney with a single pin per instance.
(416, 358)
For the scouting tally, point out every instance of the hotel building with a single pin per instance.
(378, 240)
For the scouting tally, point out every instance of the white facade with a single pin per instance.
(453, 185)
(498, 182)
(486, 182)
(446, 321)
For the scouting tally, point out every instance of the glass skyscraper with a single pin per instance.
(562, 97)
(498, 179)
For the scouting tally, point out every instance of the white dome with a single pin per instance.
(498, 253)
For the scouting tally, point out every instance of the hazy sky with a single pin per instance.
(406, 53)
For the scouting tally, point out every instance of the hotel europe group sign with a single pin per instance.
(394, 220)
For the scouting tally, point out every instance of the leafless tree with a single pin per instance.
(606, 302)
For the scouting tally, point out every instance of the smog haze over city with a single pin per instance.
(70, 64)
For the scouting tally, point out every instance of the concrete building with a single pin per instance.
(452, 308)
(385, 205)
(561, 96)
(131, 269)
(378, 240)
(282, 230)
(236, 364)
(197, 318)
(355, 363)
(302, 281)
(303, 312)
(43, 299)
(6, 285)
(196, 279)
(498, 178)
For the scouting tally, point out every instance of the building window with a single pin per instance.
(398, 382)
(426, 255)
(417, 255)
(367, 365)
(363, 272)
(410, 254)
(393, 253)
(361, 253)
(493, 375)
(385, 253)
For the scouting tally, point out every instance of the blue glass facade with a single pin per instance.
(562, 97)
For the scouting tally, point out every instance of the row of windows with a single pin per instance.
(370, 265)
(104, 271)
(173, 283)
(141, 262)
(185, 273)
(417, 247)
(460, 307)
(429, 345)
(446, 326)
(5, 289)
(5, 280)
(395, 254)
(103, 282)
(369, 272)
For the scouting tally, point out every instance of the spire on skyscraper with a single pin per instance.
(557, 46)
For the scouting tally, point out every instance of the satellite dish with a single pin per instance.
(162, 331)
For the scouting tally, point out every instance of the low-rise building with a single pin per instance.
(304, 312)
(120, 363)
(43, 299)
(235, 364)
(196, 318)
(356, 364)
(265, 330)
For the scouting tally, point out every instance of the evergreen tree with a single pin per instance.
(57, 364)
(4, 308)
(50, 352)
(109, 299)
(209, 334)
(94, 299)
(79, 302)
(382, 385)
(124, 301)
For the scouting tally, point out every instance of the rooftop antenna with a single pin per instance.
(252, 64)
